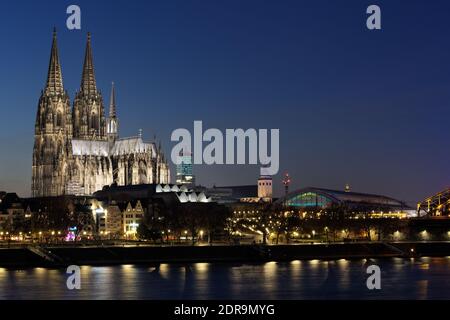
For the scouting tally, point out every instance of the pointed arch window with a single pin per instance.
(94, 122)
(59, 119)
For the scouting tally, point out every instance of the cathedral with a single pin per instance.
(77, 151)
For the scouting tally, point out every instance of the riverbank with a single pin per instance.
(60, 256)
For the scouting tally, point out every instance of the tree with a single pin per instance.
(195, 217)
(263, 221)
(214, 219)
(20, 224)
(278, 221)
(145, 233)
(335, 219)
(157, 218)
(292, 224)
(81, 220)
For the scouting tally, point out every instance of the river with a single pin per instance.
(422, 278)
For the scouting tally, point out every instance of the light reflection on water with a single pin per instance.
(424, 278)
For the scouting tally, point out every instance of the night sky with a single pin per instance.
(368, 108)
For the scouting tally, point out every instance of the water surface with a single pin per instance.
(424, 278)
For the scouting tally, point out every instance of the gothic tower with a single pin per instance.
(88, 112)
(112, 127)
(53, 131)
(78, 151)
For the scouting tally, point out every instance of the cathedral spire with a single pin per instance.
(88, 84)
(112, 125)
(54, 79)
(88, 111)
(112, 102)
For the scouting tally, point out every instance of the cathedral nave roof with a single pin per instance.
(132, 145)
(90, 148)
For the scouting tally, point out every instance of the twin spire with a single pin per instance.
(88, 85)
(54, 79)
(54, 83)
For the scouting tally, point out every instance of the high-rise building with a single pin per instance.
(184, 169)
(78, 150)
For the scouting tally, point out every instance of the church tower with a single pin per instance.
(88, 112)
(112, 127)
(77, 152)
(53, 131)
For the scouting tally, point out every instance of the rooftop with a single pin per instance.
(349, 197)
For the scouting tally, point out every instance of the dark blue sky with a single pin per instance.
(370, 108)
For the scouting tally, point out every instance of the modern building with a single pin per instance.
(310, 198)
(77, 150)
(184, 169)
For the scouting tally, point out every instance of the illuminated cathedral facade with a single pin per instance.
(77, 150)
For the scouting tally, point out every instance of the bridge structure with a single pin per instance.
(436, 205)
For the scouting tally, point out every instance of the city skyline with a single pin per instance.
(352, 106)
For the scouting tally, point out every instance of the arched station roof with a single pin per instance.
(319, 197)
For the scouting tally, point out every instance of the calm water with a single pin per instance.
(424, 278)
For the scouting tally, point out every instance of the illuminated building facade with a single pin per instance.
(77, 150)
(132, 217)
(319, 198)
(265, 187)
